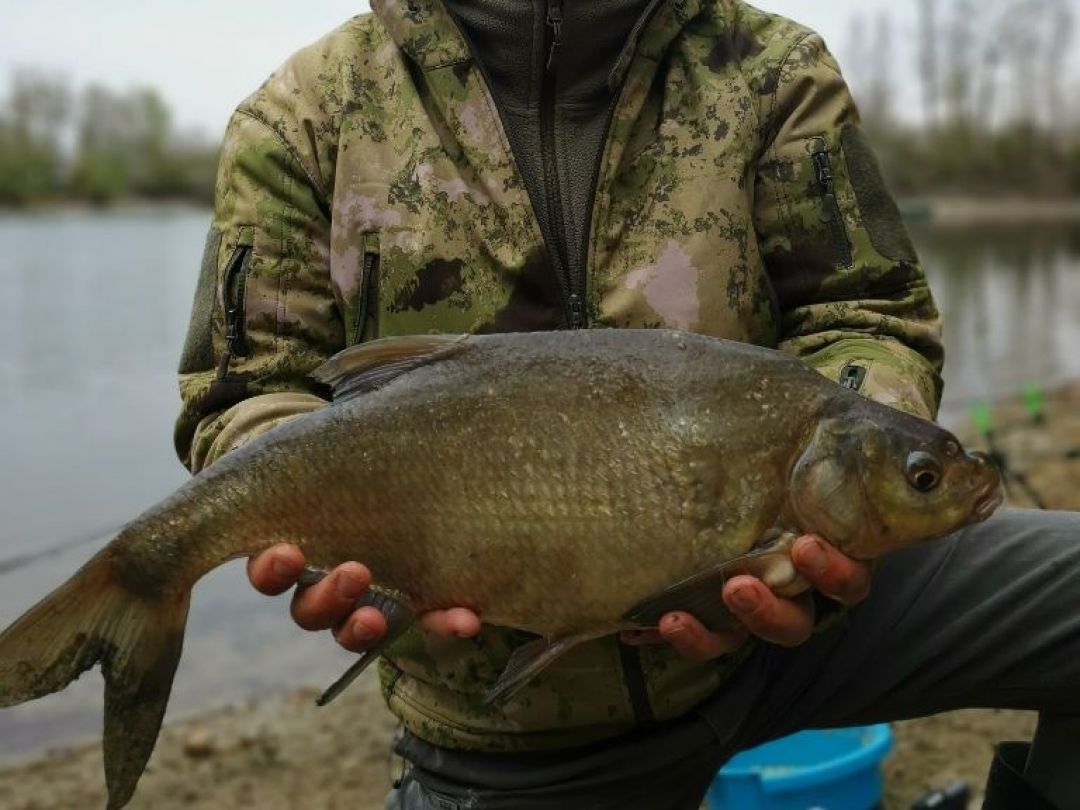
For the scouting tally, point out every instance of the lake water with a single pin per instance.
(92, 314)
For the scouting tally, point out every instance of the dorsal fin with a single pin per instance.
(360, 369)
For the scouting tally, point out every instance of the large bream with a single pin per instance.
(566, 484)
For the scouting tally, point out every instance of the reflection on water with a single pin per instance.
(92, 315)
(1011, 301)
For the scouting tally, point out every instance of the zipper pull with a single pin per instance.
(554, 22)
(231, 331)
(577, 312)
(824, 171)
(824, 176)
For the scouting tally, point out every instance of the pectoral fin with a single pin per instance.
(399, 618)
(700, 595)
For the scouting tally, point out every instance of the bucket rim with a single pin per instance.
(877, 744)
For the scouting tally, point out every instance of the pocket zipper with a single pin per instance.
(830, 212)
(234, 287)
(368, 292)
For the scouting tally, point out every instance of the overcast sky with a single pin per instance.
(206, 55)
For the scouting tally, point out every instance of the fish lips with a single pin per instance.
(987, 503)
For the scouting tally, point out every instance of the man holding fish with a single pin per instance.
(499, 167)
(693, 166)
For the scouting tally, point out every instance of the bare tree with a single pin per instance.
(1062, 21)
(880, 88)
(39, 107)
(961, 65)
(857, 53)
(929, 71)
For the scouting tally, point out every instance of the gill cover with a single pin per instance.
(827, 495)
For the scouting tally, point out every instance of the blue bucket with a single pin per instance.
(838, 769)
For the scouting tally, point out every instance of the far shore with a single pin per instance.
(997, 210)
(125, 207)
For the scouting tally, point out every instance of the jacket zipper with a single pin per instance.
(574, 308)
(369, 288)
(234, 288)
(569, 277)
(616, 80)
(830, 212)
(629, 657)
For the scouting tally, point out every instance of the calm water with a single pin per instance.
(92, 316)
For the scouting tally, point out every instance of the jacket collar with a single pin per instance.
(424, 30)
(662, 22)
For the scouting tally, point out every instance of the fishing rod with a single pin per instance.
(1035, 404)
(20, 561)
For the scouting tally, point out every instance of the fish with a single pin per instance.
(567, 484)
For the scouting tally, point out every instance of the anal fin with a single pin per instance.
(528, 661)
(399, 618)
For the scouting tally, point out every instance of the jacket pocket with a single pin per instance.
(234, 299)
(367, 299)
(878, 211)
(831, 215)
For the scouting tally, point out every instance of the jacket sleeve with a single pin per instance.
(852, 297)
(265, 313)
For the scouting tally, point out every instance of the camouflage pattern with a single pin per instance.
(367, 189)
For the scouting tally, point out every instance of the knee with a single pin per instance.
(1053, 534)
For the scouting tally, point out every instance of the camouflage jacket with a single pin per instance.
(367, 190)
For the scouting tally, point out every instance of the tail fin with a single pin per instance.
(136, 638)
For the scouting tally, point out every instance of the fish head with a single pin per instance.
(872, 479)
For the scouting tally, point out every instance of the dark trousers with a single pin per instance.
(989, 617)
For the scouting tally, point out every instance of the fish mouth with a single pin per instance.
(989, 500)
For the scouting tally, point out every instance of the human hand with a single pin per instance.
(328, 605)
(786, 622)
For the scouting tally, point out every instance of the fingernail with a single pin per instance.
(812, 558)
(349, 587)
(362, 634)
(744, 599)
(674, 626)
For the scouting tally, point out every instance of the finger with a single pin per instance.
(641, 638)
(834, 574)
(276, 570)
(329, 602)
(692, 640)
(768, 616)
(452, 623)
(361, 630)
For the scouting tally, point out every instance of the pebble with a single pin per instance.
(199, 744)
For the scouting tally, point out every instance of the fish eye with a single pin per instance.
(923, 471)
